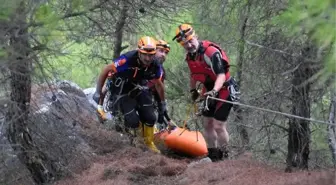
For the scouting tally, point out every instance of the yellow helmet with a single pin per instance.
(184, 33)
(163, 44)
(147, 45)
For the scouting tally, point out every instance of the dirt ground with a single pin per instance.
(135, 166)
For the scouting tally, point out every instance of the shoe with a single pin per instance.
(215, 154)
(148, 134)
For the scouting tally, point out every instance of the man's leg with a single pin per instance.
(128, 110)
(222, 133)
(220, 124)
(148, 118)
(210, 133)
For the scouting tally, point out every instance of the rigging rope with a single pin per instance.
(268, 110)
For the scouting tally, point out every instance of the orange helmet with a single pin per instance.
(184, 33)
(163, 44)
(147, 45)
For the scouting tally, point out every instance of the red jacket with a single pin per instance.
(201, 67)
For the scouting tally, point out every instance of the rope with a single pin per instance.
(188, 115)
(268, 110)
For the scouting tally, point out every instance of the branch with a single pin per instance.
(277, 50)
(69, 15)
(124, 47)
(279, 126)
(292, 70)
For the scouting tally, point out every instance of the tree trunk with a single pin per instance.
(20, 68)
(240, 59)
(331, 128)
(299, 130)
(118, 48)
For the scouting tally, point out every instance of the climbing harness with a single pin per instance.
(233, 88)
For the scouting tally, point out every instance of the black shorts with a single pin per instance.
(217, 109)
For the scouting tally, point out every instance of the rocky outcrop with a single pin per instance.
(63, 124)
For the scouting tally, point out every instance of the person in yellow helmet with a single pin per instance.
(132, 71)
(209, 65)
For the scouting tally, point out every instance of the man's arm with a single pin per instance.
(219, 82)
(159, 87)
(192, 83)
(103, 75)
(219, 67)
(158, 84)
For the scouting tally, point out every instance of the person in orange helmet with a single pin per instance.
(162, 50)
(209, 65)
(132, 71)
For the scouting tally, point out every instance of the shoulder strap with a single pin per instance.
(206, 44)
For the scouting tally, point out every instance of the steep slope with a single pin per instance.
(131, 165)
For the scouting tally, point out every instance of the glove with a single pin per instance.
(162, 106)
(194, 94)
(96, 97)
(166, 116)
(101, 112)
(160, 119)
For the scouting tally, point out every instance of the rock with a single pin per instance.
(89, 93)
(70, 87)
(61, 115)
(59, 119)
(202, 161)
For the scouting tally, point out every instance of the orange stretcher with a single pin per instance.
(183, 140)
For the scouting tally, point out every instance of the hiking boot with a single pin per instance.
(148, 134)
(215, 154)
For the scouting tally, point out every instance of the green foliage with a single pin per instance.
(45, 14)
(7, 8)
(78, 4)
(317, 20)
(75, 65)
(3, 53)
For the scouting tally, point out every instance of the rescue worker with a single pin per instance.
(132, 71)
(162, 50)
(209, 65)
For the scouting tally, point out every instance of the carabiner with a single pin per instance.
(117, 82)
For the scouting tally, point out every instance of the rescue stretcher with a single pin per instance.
(182, 139)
